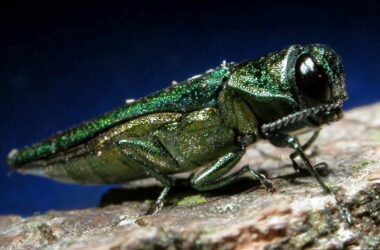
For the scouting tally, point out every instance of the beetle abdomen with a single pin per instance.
(188, 96)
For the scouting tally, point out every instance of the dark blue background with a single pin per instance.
(62, 63)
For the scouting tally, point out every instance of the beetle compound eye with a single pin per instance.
(311, 80)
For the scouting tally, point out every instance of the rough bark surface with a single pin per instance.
(298, 216)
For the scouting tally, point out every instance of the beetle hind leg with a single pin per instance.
(213, 177)
(149, 157)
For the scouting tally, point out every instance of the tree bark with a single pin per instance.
(243, 216)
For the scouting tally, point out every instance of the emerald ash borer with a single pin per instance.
(204, 122)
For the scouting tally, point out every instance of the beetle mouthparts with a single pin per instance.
(298, 116)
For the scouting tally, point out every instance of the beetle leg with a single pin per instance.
(294, 143)
(345, 214)
(304, 147)
(281, 139)
(321, 168)
(285, 140)
(212, 176)
(140, 153)
(293, 155)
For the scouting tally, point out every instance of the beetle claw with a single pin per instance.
(154, 208)
(267, 184)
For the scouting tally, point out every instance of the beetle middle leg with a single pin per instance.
(148, 156)
(212, 176)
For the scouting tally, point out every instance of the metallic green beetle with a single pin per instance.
(206, 121)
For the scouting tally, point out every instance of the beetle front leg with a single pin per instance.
(285, 140)
(293, 155)
(281, 139)
(139, 153)
(293, 142)
(298, 150)
(320, 167)
(212, 176)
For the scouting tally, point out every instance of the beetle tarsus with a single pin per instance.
(267, 184)
(321, 168)
(263, 180)
(134, 150)
(153, 209)
(159, 203)
(345, 214)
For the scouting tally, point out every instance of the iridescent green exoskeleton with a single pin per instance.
(206, 121)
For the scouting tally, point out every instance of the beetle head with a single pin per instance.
(318, 79)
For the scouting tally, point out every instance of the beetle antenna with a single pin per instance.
(297, 116)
